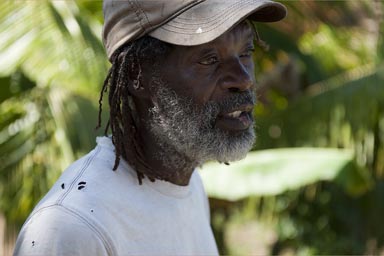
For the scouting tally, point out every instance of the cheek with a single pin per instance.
(196, 85)
(251, 69)
(199, 94)
(204, 90)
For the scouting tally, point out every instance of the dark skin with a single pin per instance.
(208, 72)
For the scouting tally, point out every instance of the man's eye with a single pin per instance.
(209, 60)
(248, 53)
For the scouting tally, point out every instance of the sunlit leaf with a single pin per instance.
(272, 172)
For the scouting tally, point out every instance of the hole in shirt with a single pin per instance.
(81, 185)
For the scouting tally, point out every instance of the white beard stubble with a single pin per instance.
(183, 129)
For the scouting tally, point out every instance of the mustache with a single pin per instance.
(211, 108)
(231, 102)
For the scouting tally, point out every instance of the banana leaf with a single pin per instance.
(272, 172)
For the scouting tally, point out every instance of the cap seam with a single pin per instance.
(229, 9)
(217, 24)
(137, 12)
(262, 1)
(208, 18)
(140, 10)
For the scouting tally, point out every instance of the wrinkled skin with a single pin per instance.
(210, 84)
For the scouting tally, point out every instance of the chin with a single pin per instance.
(232, 147)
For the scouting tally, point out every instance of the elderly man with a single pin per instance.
(181, 92)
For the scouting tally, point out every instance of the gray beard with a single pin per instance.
(187, 134)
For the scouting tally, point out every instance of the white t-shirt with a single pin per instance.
(92, 210)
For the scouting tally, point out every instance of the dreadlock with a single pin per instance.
(260, 42)
(126, 71)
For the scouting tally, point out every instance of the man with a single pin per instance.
(181, 92)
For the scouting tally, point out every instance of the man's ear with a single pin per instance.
(138, 85)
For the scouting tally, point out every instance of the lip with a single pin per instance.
(233, 121)
(243, 108)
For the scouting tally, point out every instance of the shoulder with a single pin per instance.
(56, 230)
(91, 179)
(64, 222)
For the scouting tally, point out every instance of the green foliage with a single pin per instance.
(51, 68)
(333, 97)
(321, 86)
(348, 116)
(338, 49)
(14, 85)
(41, 134)
(57, 45)
(328, 221)
(273, 172)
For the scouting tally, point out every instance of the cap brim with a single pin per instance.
(208, 20)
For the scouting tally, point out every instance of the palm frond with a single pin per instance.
(56, 46)
(52, 63)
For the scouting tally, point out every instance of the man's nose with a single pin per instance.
(237, 77)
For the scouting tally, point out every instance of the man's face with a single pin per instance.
(203, 98)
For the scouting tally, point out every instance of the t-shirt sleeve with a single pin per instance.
(57, 231)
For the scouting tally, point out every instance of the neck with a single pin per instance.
(166, 161)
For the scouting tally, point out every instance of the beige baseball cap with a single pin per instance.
(180, 22)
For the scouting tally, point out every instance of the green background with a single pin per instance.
(314, 181)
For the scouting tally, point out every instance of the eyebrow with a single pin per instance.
(205, 51)
(250, 38)
(252, 35)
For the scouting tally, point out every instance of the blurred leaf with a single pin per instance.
(271, 172)
(58, 20)
(52, 63)
(380, 44)
(14, 85)
(354, 179)
(328, 114)
(337, 49)
(274, 38)
(41, 134)
(79, 63)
